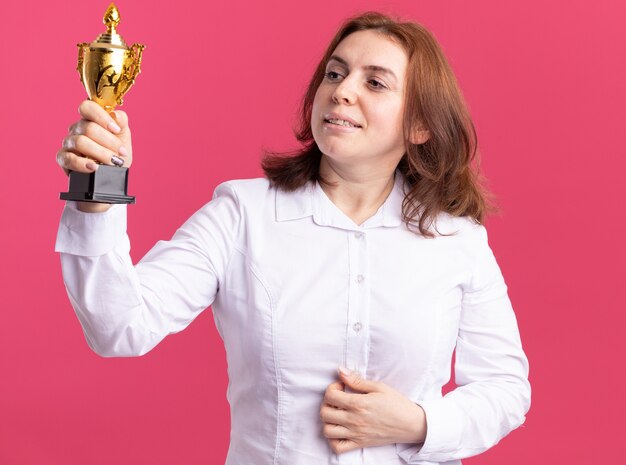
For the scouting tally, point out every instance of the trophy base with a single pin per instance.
(108, 184)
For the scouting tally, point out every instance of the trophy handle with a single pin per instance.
(131, 70)
(81, 57)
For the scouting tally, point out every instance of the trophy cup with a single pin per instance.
(107, 68)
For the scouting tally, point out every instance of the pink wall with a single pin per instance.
(221, 80)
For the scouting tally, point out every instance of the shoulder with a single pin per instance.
(244, 187)
(462, 228)
(244, 191)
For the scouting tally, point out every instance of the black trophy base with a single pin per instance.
(108, 184)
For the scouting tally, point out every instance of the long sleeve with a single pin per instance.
(126, 310)
(491, 370)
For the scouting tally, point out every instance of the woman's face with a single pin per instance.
(357, 113)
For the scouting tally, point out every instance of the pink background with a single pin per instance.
(220, 81)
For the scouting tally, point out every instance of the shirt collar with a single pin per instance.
(311, 200)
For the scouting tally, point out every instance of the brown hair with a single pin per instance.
(440, 171)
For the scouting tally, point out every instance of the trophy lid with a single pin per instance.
(110, 38)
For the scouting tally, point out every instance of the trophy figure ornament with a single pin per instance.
(108, 68)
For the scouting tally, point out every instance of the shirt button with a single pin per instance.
(357, 327)
(358, 235)
(360, 278)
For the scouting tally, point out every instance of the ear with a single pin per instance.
(419, 135)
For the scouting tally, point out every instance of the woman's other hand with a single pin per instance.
(373, 415)
(97, 137)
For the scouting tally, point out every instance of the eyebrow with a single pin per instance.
(381, 69)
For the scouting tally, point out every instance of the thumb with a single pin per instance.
(357, 383)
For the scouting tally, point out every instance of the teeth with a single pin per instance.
(341, 122)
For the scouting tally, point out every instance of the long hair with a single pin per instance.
(442, 172)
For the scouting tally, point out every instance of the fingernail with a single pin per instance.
(122, 151)
(345, 371)
(91, 166)
(114, 127)
(117, 161)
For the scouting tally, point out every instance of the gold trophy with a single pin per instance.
(107, 68)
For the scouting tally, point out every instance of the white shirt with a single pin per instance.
(297, 290)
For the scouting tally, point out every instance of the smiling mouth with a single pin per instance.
(341, 122)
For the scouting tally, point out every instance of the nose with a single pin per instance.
(345, 92)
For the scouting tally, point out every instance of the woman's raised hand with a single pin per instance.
(97, 137)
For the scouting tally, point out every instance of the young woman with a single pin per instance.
(341, 283)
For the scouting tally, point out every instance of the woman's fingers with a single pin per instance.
(81, 144)
(333, 415)
(336, 397)
(71, 162)
(336, 432)
(99, 135)
(93, 112)
(96, 133)
(121, 118)
(339, 446)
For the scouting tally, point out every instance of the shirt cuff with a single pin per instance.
(443, 435)
(90, 234)
(407, 451)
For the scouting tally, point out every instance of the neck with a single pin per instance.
(358, 192)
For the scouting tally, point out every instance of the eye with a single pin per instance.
(332, 75)
(376, 84)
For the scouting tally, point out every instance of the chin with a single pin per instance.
(342, 156)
